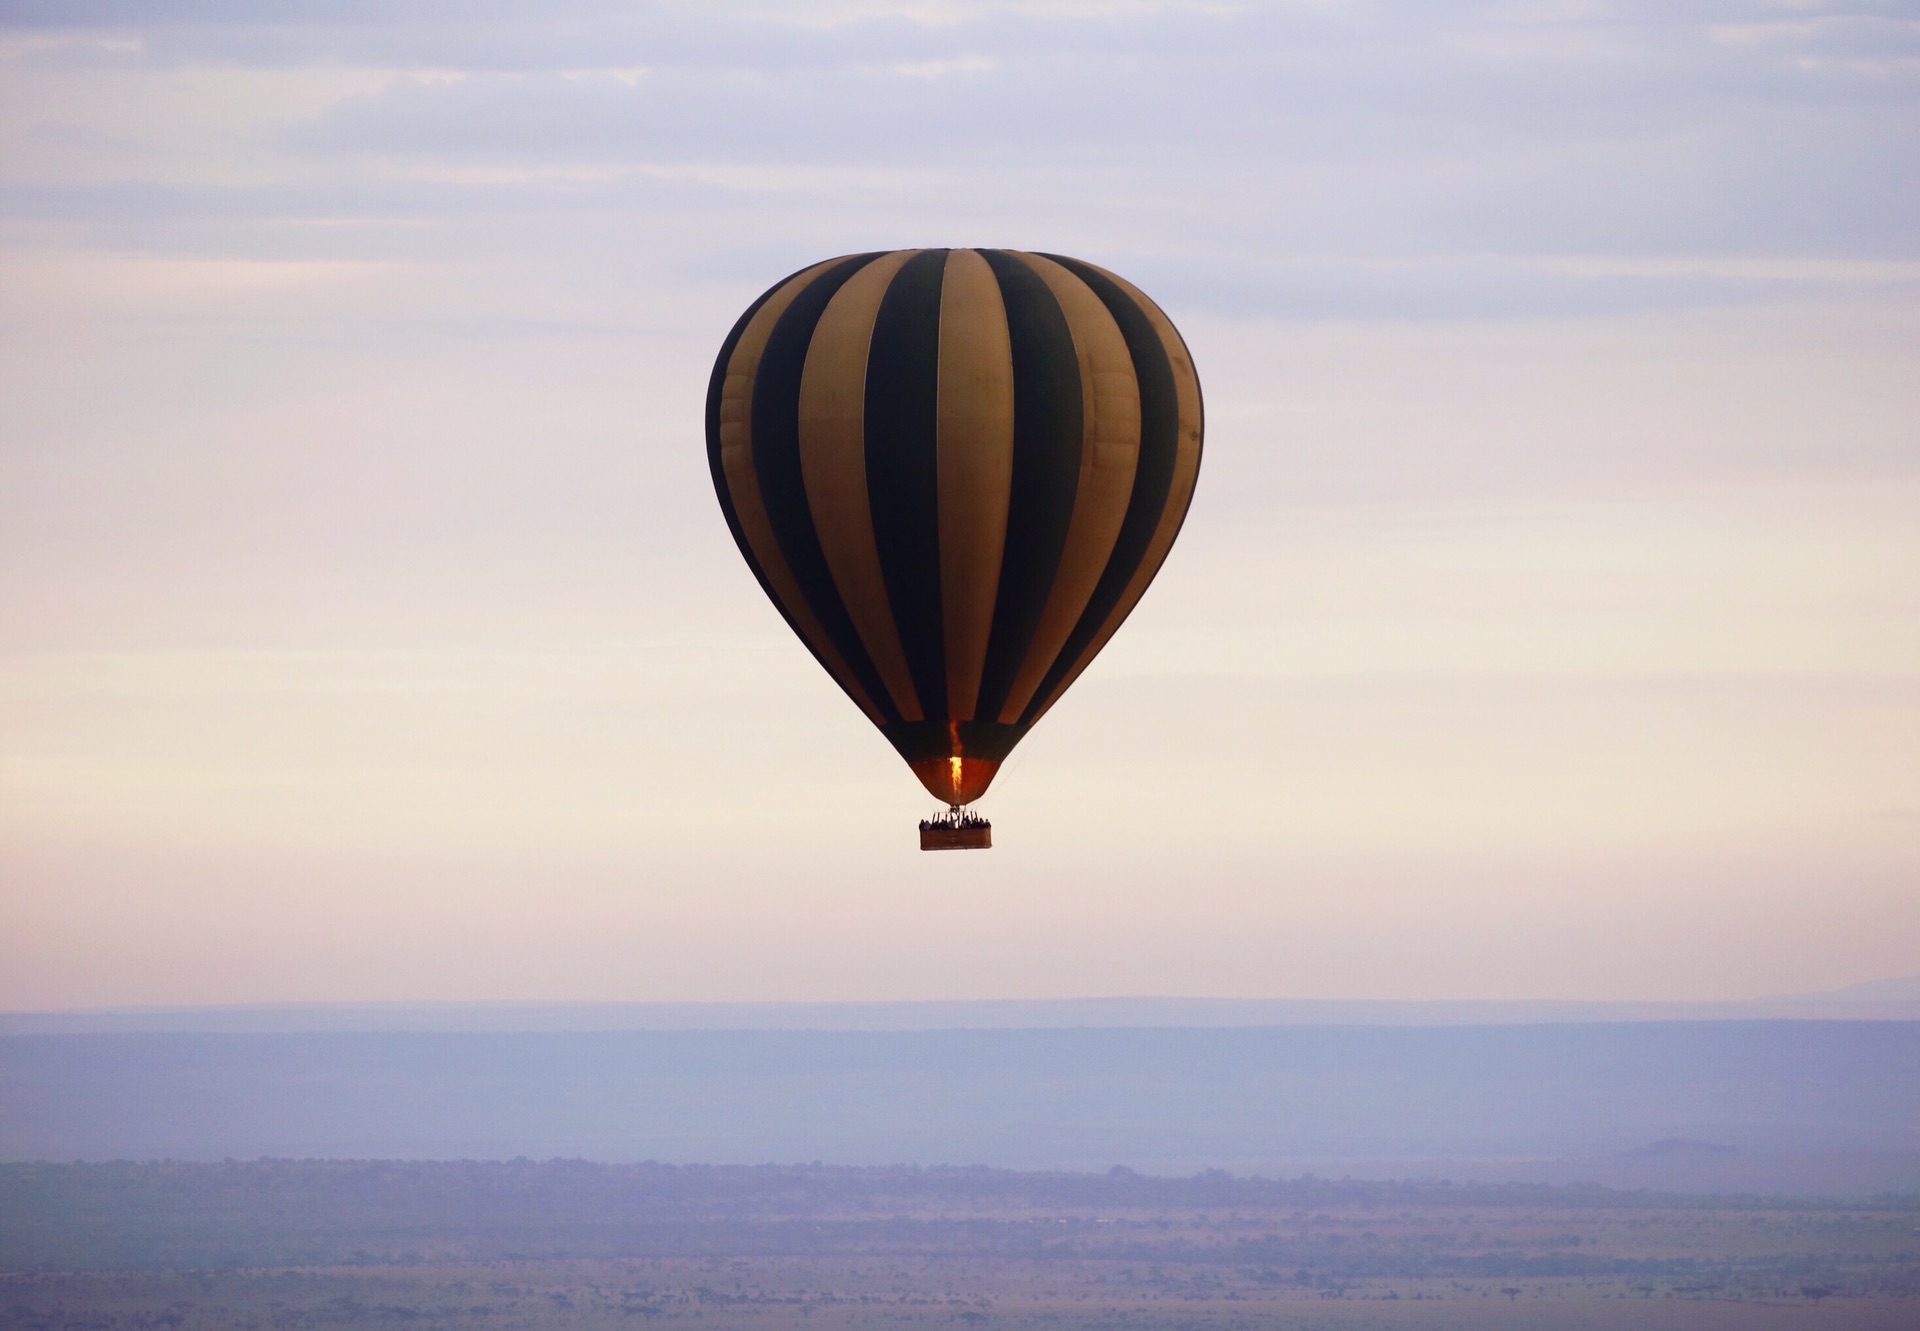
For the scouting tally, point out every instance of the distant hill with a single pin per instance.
(1806, 1106)
(1899, 989)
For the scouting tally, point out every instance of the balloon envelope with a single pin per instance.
(954, 472)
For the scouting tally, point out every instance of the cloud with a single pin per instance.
(1488, 287)
(1299, 150)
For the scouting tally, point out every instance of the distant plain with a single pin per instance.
(574, 1245)
(1139, 1163)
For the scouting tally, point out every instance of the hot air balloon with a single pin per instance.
(954, 473)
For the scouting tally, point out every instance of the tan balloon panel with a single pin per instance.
(954, 472)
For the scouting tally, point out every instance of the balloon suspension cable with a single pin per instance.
(955, 816)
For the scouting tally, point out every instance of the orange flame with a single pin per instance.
(954, 766)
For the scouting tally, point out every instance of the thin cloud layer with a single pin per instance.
(1229, 139)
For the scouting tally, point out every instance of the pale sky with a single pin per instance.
(1547, 622)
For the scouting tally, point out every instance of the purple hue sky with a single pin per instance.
(1547, 623)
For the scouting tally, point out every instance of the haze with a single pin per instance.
(1547, 623)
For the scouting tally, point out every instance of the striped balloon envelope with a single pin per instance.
(954, 472)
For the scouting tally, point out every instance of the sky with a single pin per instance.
(1546, 623)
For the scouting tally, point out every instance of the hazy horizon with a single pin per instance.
(1895, 998)
(1546, 625)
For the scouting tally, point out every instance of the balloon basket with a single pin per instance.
(956, 829)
